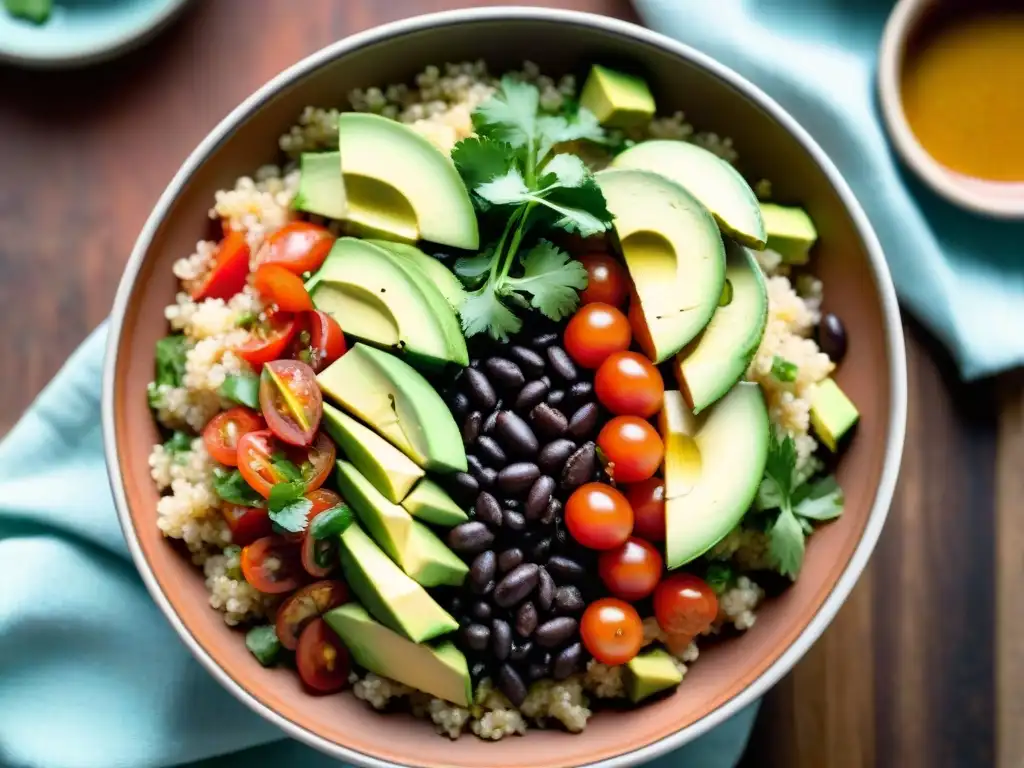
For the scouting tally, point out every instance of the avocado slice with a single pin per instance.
(392, 472)
(441, 671)
(833, 414)
(429, 502)
(674, 253)
(791, 232)
(385, 591)
(400, 184)
(719, 357)
(713, 465)
(649, 673)
(391, 397)
(445, 280)
(380, 302)
(408, 542)
(321, 189)
(717, 185)
(617, 99)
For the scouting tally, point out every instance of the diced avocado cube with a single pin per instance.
(262, 643)
(617, 99)
(649, 673)
(321, 186)
(832, 413)
(791, 232)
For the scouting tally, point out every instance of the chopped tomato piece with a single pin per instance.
(319, 341)
(285, 289)
(268, 339)
(271, 565)
(305, 605)
(259, 461)
(246, 523)
(299, 246)
(228, 272)
(321, 658)
(291, 401)
(224, 430)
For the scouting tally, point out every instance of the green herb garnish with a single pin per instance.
(232, 488)
(262, 643)
(783, 370)
(178, 442)
(247, 320)
(170, 360)
(719, 576)
(288, 506)
(242, 388)
(331, 522)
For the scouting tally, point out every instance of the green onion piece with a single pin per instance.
(783, 370)
(331, 522)
(262, 643)
(243, 389)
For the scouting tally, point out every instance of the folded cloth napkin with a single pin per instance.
(91, 675)
(960, 274)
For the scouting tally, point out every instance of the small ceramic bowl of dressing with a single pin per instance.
(951, 87)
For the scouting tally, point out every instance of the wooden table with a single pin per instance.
(907, 674)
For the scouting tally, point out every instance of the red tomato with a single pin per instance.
(316, 462)
(638, 323)
(631, 571)
(269, 339)
(684, 605)
(627, 383)
(222, 433)
(271, 565)
(298, 246)
(291, 401)
(594, 332)
(322, 498)
(607, 280)
(647, 498)
(229, 270)
(285, 289)
(612, 631)
(633, 448)
(307, 604)
(321, 658)
(319, 342)
(255, 461)
(598, 516)
(246, 523)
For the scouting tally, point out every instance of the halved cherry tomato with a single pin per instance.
(594, 332)
(256, 452)
(612, 631)
(627, 383)
(633, 447)
(228, 272)
(305, 605)
(279, 286)
(598, 516)
(317, 462)
(246, 523)
(322, 660)
(684, 606)
(319, 342)
(607, 280)
(323, 499)
(641, 331)
(224, 430)
(319, 556)
(268, 339)
(271, 565)
(648, 501)
(631, 571)
(298, 246)
(291, 401)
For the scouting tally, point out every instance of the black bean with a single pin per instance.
(567, 661)
(546, 380)
(516, 584)
(553, 510)
(511, 684)
(547, 421)
(583, 423)
(474, 464)
(464, 486)
(455, 606)
(553, 456)
(579, 468)
(501, 639)
(537, 670)
(553, 633)
(476, 636)
(529, 361)
(459, 404)
(509, 559)
(487, 448)
(568, 599)
(515, 435)
(470, 538)
(541, 550)
(513, 520)
(831, 337)
(539, 496)
(483, 568)
(482, 610)
(504, 373)
(579, 393)
(471, 428)
(480, 390)
(514, 504)
(521, 651)
(530, 395)
(490, 422)
(526, 619)
(565, 568)
(561, 364)
(545, 590)
(487, 509)
(486, 477)
(555, 398)
(483, 589)
(517, 478)
(544, 340)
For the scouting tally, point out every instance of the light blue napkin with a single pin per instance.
(961, 275)
(91, 674)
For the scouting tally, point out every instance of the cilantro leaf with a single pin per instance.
(170, 352)
(481, 159)
(285, 468)
(472, 269)
(483, 312)
(558, 129)
(552, 278)
(232, 488)
(719, 576)
(510, 115)
(822, 500)
(786, 543)
(288, 507)
(568, 170)
(509, 188)
(579, 209)
(179, 442)
(781, 463)
(783, 370)
(242, 388)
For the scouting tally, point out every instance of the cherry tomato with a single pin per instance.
(256, 452)
(307, 604)
(612, 631)
(268, 339)
(229, 270)
(598, 516)
(594, 332)
(633, 448)
(322, 660)
(607, 280)
(271, 565)
(647, 498)
(298, 246)
(285, 289)
(316, 462)
(246, 523)
(223, 431)
(631, 571)
(291, 401)
(638, 323)
(322, 498)
(684, 605)
(627, 383)
(319, 341)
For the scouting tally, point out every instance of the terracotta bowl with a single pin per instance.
(728, 676)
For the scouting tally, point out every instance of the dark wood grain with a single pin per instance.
(906, 675)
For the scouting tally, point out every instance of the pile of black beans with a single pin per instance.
(529, 418)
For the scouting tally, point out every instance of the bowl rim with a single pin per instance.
(895, 428)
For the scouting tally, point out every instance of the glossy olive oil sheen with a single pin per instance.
(963, 91)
